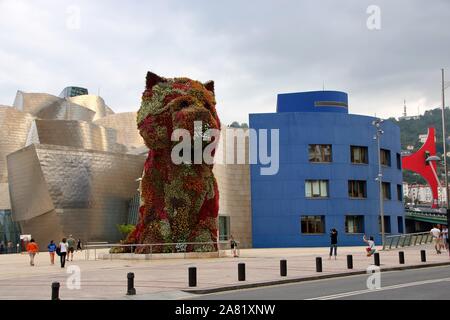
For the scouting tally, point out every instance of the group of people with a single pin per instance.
(6, 248)
(370, 249)
(440, 238)
(439, 233)
(64, 250)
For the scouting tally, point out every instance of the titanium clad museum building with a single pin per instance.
(68, 165)
(326, 179)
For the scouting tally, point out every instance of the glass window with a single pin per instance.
(319, 152)
(313, 224)
(385, 157)
(399, 161)
(316, 188)
(387, 224)
(357, 189)
(224, 228)
(386, 190)
(399, 192)
(359, 154)
(400, 224)
(354, 224)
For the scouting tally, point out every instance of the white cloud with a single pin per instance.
(253, 50)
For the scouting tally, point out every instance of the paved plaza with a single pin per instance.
(168, 278)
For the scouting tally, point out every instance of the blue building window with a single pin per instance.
(320, 153)
(399, 192)
(399, 161)
(385, 157)
(386, 190)
(313, 224)
(316, 188)
(354, 224)
(357, 189)
(387, 223)
(400, 224)
(359, 155)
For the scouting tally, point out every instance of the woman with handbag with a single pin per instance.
(62, 251)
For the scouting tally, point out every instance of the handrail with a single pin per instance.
(87, 247)
(407, 240)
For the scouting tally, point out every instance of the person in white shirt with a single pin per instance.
(445, 236)
(436, 233)
(63, 251)
(371, 249)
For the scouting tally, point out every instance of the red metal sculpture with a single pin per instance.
(417, 163)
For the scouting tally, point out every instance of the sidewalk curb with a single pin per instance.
(311, 278)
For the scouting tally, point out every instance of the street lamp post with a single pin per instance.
(377, 124)
(444, 142)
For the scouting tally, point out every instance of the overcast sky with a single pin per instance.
(252, 49)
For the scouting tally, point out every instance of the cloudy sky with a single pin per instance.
(252, 49)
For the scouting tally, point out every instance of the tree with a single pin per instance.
(125, 229)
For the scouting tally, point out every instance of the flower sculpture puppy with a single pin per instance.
(179, 202)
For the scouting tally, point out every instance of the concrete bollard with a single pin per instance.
(318, 264)
(423, 256)
(349, 261)
(130, 290)
(192, 276)
(283, 268)
(55, 291)
(401, 257)
(376, 258)
(241, 271)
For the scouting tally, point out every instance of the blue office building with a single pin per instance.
(328, 165)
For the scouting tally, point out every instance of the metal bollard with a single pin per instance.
(401, 257)
(192, 276)
(241, 271)
(55, 291)
(349, 261)
(318, 264)
(131, 290)
(283, 268)
(423, 255)
(376, 258)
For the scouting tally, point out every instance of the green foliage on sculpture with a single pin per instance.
(125, 229)
(179, 203)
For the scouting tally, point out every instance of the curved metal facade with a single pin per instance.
(94, 103)
(14, 126)
(75, 134)
(56, 191)
(61, 173)
(125, 125)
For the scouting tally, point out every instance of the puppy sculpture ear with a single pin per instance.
(152, 80)
(209, 85)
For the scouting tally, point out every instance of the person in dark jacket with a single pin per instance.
(333, 243)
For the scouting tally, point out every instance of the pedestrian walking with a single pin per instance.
(51, 250)
(32, 249)
(79, 245)
(10, 247)
(333, 243)
(371, 249)
(445, 236)
(62, 249)
(70, 247)
(2, 248)
(234, 247)
(436, 233)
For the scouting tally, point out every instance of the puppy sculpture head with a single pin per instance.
(169, 104)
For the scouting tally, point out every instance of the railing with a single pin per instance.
(407, 240)
(158, 248)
